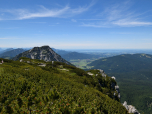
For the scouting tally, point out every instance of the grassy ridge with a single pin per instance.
(28, 88)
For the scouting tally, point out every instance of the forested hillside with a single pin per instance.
(134, 75)
(124, 63)
(35, 86)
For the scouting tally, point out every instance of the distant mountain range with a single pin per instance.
(67, 55)
(1, 49)
(60, 52)
(124, 63)
(5, 50)
(42, 53)
(11, 52)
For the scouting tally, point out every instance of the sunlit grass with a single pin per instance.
(52, 90)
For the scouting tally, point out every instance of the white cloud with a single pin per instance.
(20, 14)
(119, 15)
(93, 25)
(131, 23)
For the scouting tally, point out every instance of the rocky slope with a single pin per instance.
(42, 53)
(130, 108)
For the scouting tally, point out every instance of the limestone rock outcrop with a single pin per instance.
(102, 72)
(130, 108)
(118, 91)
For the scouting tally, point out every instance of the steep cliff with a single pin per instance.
(114, 88)
(130, 108)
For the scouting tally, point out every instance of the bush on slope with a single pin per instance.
(28, 88)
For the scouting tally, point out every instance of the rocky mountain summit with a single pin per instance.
(42, 53)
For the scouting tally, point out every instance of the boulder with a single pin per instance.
(113, 77)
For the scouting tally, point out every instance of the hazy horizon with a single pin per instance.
(73, 49)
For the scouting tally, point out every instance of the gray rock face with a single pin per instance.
(113, 77)
(42, 53)
(91, 74)
(101, 71)
(103, 74)
(117, 89)
(130, 108)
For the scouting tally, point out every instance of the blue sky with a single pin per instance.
(76, 24)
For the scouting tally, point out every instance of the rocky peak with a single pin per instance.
(42, 53)
(41, 48)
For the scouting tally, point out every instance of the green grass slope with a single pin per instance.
(61, 88)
